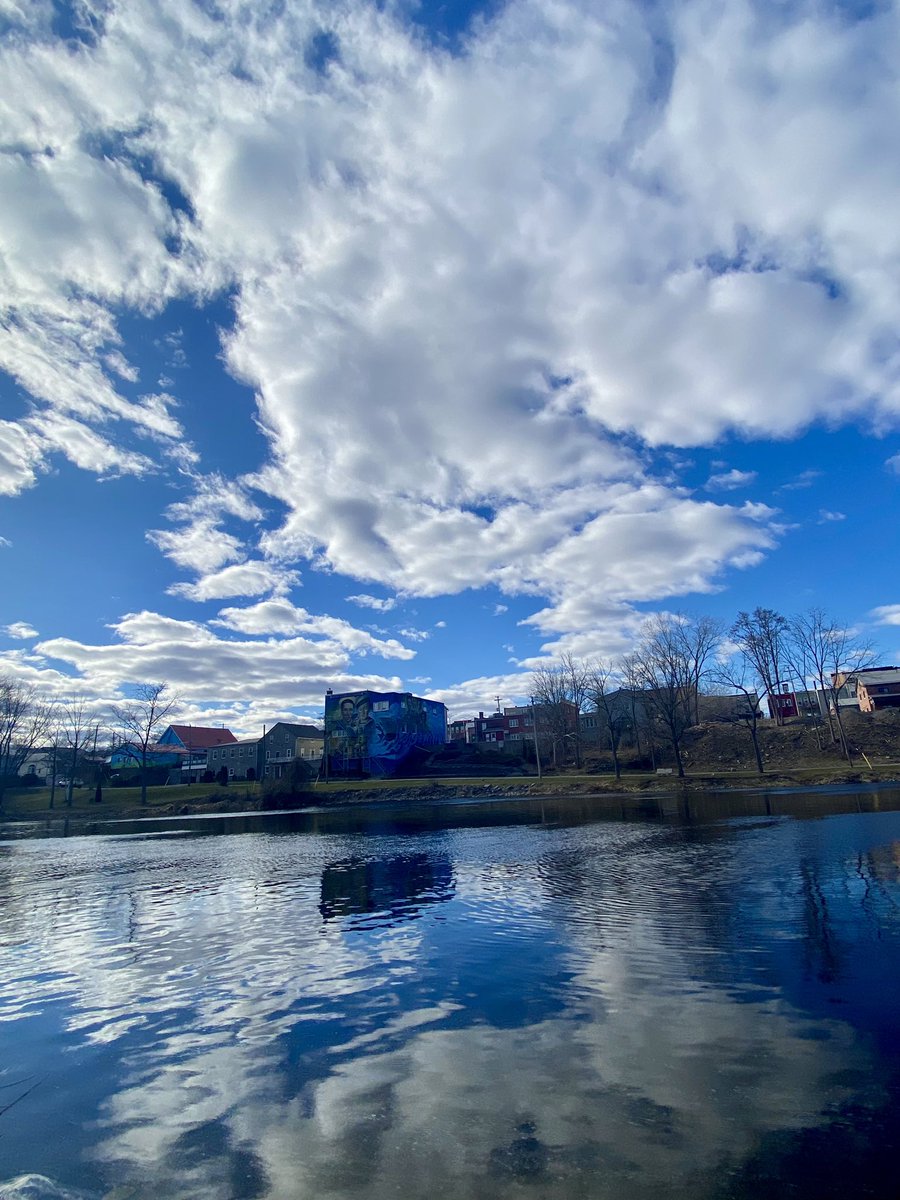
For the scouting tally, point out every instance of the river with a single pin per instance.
(560, 999)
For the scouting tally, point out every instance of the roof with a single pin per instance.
(878, 675)
(296, 730)
(200, 738)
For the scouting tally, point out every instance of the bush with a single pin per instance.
(280, 793)
(222, 776)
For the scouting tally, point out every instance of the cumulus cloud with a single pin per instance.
(380, 604)
(886, 614)
(241, 682)
(471, 294)
(20, 629)
(826, 515)
(252, 578)
(727, 481)
(281, 617)
(893, 464)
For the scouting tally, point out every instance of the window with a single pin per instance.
(513, 722)
(381, 706)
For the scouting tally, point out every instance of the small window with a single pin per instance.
(381, 706)
(513, 722)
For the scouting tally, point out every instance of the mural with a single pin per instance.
(372, 733)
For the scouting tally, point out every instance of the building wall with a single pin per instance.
(373, 733)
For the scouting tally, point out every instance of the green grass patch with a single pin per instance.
(37, 800)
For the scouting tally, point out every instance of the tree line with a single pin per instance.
(656, 690)
(76, 735)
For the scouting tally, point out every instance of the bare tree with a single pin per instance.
(666, 673)
(24, 722)
(577, 677)
(738, 675)
(611, 705)
(550, 686)
(700, 639)
(79, 726)
(140, 719)
(833, 651)
(630, 673)
(761, 636)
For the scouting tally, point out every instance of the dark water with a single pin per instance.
(518, 1000)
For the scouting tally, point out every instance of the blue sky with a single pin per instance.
(411, 345)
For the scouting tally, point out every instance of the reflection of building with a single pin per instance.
(375, 733)
(399, 886)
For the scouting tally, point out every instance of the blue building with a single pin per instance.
(374, 733)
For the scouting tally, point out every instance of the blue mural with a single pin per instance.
(374, 733)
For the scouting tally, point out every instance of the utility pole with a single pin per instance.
(537, 750)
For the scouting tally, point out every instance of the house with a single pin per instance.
(375, 733)
(309, 746)
(870, 688)
(266, 757)
(787, 703)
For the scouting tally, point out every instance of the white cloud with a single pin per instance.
(804, 480)
(281, 617)
(886, 614)
(253, 578)
(457, 280)
(20, 629)
(414, 635)
(893, 464)
(242, 682)
(499, 609)
(727, 481)
(380, 604)
(826, 515)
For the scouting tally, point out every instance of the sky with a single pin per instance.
(409, 346)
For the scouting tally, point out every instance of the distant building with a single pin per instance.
(268, 756)
(787, 703)
(872, 688)
(375, 733)
(196, 737)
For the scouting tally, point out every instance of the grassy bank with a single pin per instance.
(120, 803)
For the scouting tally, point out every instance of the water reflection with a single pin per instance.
(391, 889)
(608, 1009)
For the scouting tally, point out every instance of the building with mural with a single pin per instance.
(374, 733)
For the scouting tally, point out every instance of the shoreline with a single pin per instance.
(427, 791)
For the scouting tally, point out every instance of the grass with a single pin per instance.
(29, 803)
(36, 801)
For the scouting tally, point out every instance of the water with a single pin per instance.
(515, 1000)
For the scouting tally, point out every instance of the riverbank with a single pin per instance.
(198, 800)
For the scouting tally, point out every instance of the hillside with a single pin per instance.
(717, 747)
